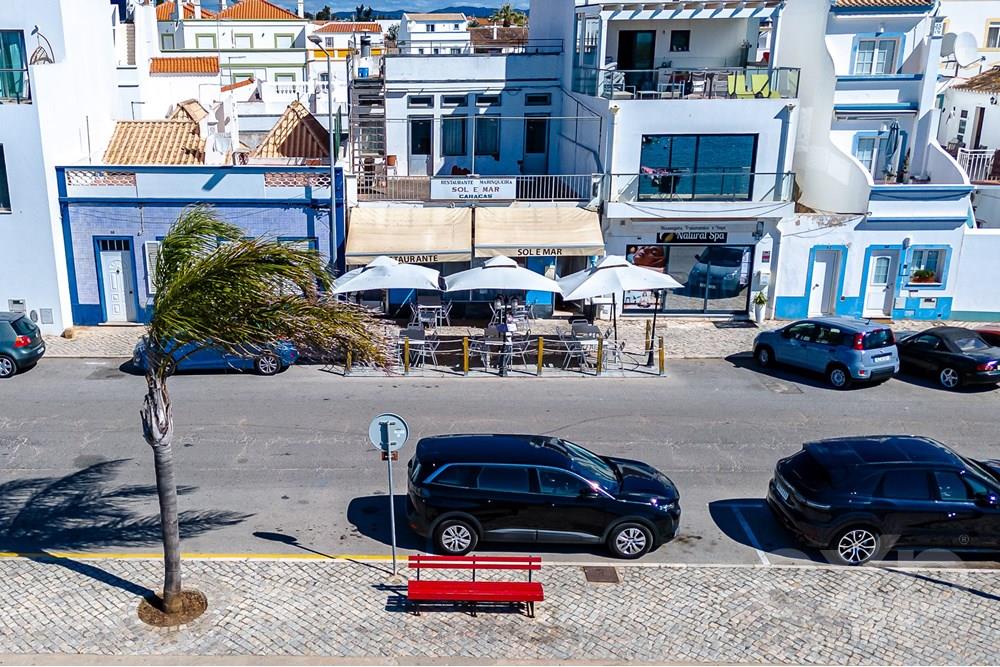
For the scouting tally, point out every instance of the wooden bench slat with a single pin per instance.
(480, 591)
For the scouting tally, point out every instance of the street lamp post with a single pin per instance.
(334, 251)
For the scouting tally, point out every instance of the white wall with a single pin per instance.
(714, 42)
(955, 101)
(978, 276)
(971, 16)
(68, 122)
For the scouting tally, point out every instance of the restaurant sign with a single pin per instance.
(502, 189)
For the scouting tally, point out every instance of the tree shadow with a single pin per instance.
(85, 510)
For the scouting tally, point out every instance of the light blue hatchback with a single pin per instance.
(844, 350)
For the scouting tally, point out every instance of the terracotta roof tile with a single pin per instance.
(508, 35)
(349, 26)
(190, 110)
(165, 12)
(987, 82)
(185, 65)
(237, 84)
(155, 142)
(257, 9)
(874, 4)
(297, 134)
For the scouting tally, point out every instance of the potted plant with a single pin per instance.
(759, 301)
(923, 276)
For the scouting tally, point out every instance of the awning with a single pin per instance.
(410, 235)
(537, 232)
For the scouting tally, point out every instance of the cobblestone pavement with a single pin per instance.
(815, 615)
(684, 338)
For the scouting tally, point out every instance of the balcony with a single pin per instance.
(550, 188)
(15, 86)
(675, 185)
(979, 164)
(459, 47)
(692, 84)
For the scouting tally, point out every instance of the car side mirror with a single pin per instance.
(987, 500)
(588, 492)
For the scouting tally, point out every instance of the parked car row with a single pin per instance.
(846, 351)
(855, 497)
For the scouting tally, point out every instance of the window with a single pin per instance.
(875, 56)
(151, 252)
(929, 342)
(453, 132)
(285, 41)
(166, 42)
(243, 41)
(420, 101)
(536, 136)
(457, 26)
(993, 34)
(455, 50)
(240, 76)
(4, 187)
(951, 487)
(204, 41)
(804, 332)
(906, 485)
(970, 342)
(865, 152)
(284, 77)
(558, 483)
(926, 266)
(827, 335)
(680, 41)
(880, 272)
(488, 100)
(512, 479)
(454, 100)
(464, 476)
(488, 136)
(431, 27)
(538, 99)
(708, 166)
(963, 122)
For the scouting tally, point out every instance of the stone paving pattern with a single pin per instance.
(812, 615)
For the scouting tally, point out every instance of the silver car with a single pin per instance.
(844, 350)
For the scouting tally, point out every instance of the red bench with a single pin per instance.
(472, 591)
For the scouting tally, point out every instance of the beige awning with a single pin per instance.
(412, 235)
(537, 232)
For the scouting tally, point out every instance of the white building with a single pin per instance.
(433, 34)
(57, 103)
(980, 21)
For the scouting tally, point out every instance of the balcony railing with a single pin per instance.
(458, 47)
(14, 85)
(978, 164)
(575, 187)
(672, 83)
(675, 185)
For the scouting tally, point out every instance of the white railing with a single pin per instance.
(978, 164)
(281, 90)
(570, 187)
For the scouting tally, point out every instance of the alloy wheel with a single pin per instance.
(763, 356)
(838, 377)
(949, 378)
(7, 367)
(268, 365)
(456, 538)
(856, 546)
(631, 541)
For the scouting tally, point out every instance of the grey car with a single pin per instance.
(842, 349)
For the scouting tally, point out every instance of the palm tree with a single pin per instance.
(214, 285)
(508, 16)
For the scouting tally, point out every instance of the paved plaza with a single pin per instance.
(814, 615)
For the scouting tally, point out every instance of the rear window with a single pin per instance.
(24, 326)
(873, 340)
(971, 343)
(804, 471)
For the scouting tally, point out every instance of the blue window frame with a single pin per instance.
(928, 267)
(877, 54)
(697, 166)
(879, 157)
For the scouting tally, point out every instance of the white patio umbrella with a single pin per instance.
(612, 275)
(500, 273)
(384, 273)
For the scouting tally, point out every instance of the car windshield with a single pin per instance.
(722, 256)
(591, 466)
(970, 343)
(982, 469)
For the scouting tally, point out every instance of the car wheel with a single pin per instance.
(838, 377)
(949, 378)
(763, 356)
(856, 545)
(455, 537)
(267, 364)
(7, 366)
(630, 540)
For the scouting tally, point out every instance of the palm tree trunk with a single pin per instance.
(158, 429)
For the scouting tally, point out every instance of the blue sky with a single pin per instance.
(388, 5)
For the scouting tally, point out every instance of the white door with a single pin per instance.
(116, 274)
(881, 288)
(824, 282)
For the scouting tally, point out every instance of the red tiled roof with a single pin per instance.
(237, 84)
(165, 12)
(350, 26)
(185, 65)
(297, 134)
(155, 142)
(257, 9)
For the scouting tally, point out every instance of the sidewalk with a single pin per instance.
(662, 614)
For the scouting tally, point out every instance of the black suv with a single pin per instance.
(527, 488)
(860, 497)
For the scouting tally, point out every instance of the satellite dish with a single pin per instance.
(961, 47)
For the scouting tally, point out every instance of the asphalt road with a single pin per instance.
(282, 465)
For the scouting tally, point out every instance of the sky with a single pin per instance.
(388, 5)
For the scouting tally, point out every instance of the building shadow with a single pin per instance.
(792, 375)
(86, 510)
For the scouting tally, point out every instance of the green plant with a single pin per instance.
(507, 16)
(212, 284)
(923, 276)
(759, 299)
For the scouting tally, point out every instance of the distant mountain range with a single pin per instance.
(479, 12)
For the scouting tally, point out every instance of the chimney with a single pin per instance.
(223, 5)
(301, 9)
(197, 9)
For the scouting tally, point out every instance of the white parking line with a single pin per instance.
(745, 525)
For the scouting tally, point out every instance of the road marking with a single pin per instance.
(753, 538)
(96, 363)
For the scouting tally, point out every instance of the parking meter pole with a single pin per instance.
(392, 498)
(465, 355)
(663, 358)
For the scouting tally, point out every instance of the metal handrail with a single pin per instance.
(750, 82)
(449, 47)
(544, 187)
(709, 185)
